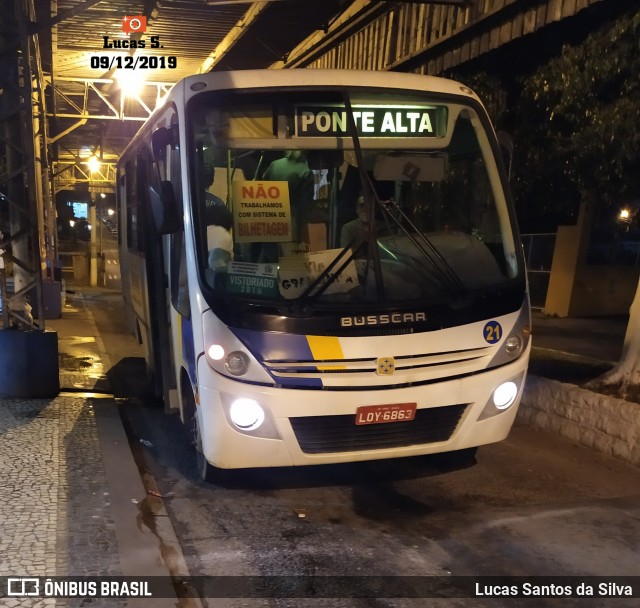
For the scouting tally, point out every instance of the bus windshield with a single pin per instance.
(358, 198)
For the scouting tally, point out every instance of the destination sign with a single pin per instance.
(370, 121)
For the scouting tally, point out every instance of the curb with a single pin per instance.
(147, 541)
(606, 424)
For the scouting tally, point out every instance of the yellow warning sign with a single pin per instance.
(261, 211)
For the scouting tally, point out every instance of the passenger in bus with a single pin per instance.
(219, 240)
(294, 169)
(207, 176)
(349, 186)
(356, 230)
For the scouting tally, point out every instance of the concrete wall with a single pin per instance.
(563, 271)
(606, 424)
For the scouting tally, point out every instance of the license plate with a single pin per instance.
(393, 412)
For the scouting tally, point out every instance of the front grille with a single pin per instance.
(409, 369)
(326, 434)
(359, 332)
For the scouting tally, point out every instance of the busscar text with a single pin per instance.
(396, 317)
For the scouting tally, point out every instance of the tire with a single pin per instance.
(204, 470)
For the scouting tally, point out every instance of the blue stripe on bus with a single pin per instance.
(268, 346)
(188, 350)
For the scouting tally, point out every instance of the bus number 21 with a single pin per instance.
(492, 332)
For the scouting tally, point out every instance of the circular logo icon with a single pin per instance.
(492, 332)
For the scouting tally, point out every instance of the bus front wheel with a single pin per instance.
(203, 468)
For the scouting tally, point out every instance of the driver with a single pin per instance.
(356, 230)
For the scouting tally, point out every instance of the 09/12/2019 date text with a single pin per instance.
(127, 62)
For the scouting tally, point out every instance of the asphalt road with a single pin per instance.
(532, 505)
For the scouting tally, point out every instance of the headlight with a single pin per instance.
(236, 363)
(513, 345)
(505, 395)
(229, 356)
(216, 352)
(246, 414)
(515, 342)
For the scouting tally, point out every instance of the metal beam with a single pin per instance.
(41, 26)
(80, 123)
(355, 17)
(94, 104)
(68, 174)
(20, 107)
(223, 2)
(462, 3)
(428, 36)
(238, 31)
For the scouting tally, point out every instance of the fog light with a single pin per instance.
(236, 363)
(505, 395)
(246, 414)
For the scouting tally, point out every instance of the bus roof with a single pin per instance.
(247, 79)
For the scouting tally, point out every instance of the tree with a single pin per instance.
(575, 121)
(580, 118)
(579, 113)
(625, 377)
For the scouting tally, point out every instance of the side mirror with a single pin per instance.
(165, 209)
(160, 139)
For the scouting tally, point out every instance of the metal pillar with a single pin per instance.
(26, 349)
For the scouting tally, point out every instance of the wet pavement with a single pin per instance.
(73, 502)
(56, 516)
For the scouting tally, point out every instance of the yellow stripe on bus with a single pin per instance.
(325, 348)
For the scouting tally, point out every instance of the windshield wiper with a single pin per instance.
(443, 271)
(319, 285)
(370, 197)
(441, 268)
(327, 276)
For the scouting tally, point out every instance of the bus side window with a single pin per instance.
(142, 201)
(178, 255)
(179, 277)
(166, 182)
(175, 174)
(132, 206)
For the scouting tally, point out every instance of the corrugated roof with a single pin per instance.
(247, 35)
(187, 30)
